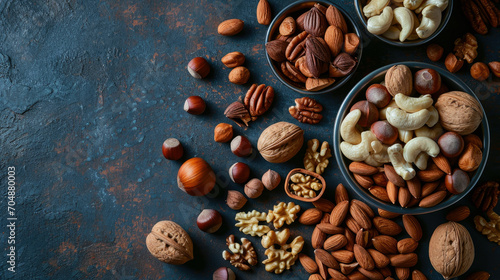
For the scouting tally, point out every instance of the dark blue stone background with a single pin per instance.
(89, 90)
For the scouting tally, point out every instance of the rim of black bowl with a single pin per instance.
(335, 85)
(454, 83)
(444, 22)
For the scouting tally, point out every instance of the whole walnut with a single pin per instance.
(254, 188)
(169, 243)
(280, 142)
(459, 112)
(399, 79)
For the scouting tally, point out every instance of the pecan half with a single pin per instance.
(485, 197)
(292, 72)
(240, 256)
(296, 47)
(306, 110)
(237, 112)
(473, 15)
(258, 100)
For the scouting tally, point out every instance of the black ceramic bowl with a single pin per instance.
(446, 15)
(358, 93)
(296, 9)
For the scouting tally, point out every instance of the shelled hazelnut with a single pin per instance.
(480, 71)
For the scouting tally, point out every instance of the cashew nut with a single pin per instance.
(392, 33)
(407, 121)
(360, 151)
(421, 161)
(413, 104)
(405, 135)
(379, 24)
(414, 36)
(379, 157)
(441, 4)
(382, 113)
(432, 133)
(370, 160)
(431, 18)
(434, 118)
(375, 7)
(403, 168)
(420, 144)
(396, 1)
(405, 18)
(412, 4)
(348, 129)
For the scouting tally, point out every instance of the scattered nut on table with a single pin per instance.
(283, 213)
(314, 160)
(306, 110)
(241, 256)
(279, 259)
(248, 223)
(491, 229)
(305, 186)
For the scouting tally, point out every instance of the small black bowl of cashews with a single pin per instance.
(411, 138)
(404, 23)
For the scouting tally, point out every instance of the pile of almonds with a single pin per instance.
(351, 242)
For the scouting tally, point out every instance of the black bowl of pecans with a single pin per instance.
(313, 47)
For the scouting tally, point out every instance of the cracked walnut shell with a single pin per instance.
(280, 142)
(169, 243)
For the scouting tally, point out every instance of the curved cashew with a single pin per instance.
(407, 121)
(375, 7)
(405, 19)
(412, 4)
(414, 36)
(348, 129)
(381, 23)
(376, 146)
(382, 113)
(432, 133)
(421, 161)
(382, 156)
(434, 118)
(413, 104)
(420, 144)
(431, 18)
(403, 168)
(392, 33)
(397, 1)
(370, 160)
(405, 135)
(441, 4)
(360, 151)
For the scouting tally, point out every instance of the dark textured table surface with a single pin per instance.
(89, 90)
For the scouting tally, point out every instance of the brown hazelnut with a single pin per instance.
(239, 75)
(235, 200)
(427, 81)
(241, 146)
(434, 52)
(457, 182)
(254, 188)
(172, 149)
(224, 273)
(471, 158)
(385, 132)
(233, 59)
(198, 67)
(271, 179)
(369, 112)
(453, 63)
(223, 132)
(451, 144)
(351, 43)
(495, 68)
(239, 172)
(479, 71)
(378, 95)
(194, 105)
(473, 139)
(209, 220)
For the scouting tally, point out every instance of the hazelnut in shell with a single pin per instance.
(378, 95)
(385, 132)
(172, 149)
(239, 172)
(427, 81)
(271, 179)
(459, 112)
(198, 67)
(224, 273)
(194, 105)
(254, 188)
(196, 177)
(241, 146)
(209, 220)
(369, 112)
(451, 144)
(457, 182)
(223, 132)
(479, 71)
(235, 200)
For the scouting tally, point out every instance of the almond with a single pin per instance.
(233, 59)
(348, 268)
(325, 219)
(352, 224)
(386, 226)
(339, 213)
(404, 197)
(364, 258)
(415, 187)
(349, 235)
(392, 192)
(404, 260)
(362, 237)
(392, 176)
(322, 269)
(471, 158)
(334, 38)
(356, 275)
(407, 245)
(380, 193)
(432, 199)
(364, 181)
(412, 227)
(326, 258)
(337, 275)
(385, 244)
(318, 238)
(365, 207)
(276, 50)
(309, 264)
(429, 188)
(371, 274)
(335, 242)
(315, 277)
(380, 179)
(341, 194)
(418, 275)
(430, 175)
(310, 216)
(458, 214)
(387, 214)
(380, 259)
(343, 256)
(442, 163)
(324, 205)
(480, 275)
(230, 27)
(264, 12)
(335, 18)
(361, 168)
(386, 271)
(328, 228)
(403, 273)
(360, 216)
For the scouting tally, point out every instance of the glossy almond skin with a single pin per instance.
(230, 27)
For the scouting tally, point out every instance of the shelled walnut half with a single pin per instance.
(491, 229)
(283, 213)
(314, 160)
(249, 223)
(304, 185)
(279, 259)
(241, 256)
